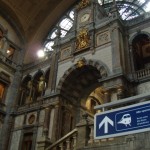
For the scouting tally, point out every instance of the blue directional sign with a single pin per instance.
(122, 121)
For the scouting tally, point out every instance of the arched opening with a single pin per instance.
(39, 85)
(47, 78)
(82, 91)
(141, 51)
(25, 94)
(96, 97)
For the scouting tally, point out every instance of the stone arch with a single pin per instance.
(11, 17)
(39, 85)
(139, 48)
(46, 75)
(24, 90)
(92, 70)
(136, 34)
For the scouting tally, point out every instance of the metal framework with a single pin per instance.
(128, 9)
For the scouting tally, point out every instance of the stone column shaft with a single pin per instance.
(55, 134)
(120, 93)
(47, 121)
(106, 97)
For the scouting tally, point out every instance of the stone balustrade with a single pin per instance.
(141, 74)
(7, 61)
(68, 142)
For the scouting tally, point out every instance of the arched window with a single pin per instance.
(141, 51)
(64, 25)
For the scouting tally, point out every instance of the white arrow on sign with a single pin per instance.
(105, 121)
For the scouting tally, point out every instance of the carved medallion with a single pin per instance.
(31, 119)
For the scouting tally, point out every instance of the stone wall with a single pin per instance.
(15, 140)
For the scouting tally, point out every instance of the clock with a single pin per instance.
(85, 17)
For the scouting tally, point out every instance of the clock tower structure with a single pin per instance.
(88, 12)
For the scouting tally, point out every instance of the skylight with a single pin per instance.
(128, 9)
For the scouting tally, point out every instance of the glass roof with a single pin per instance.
(128, 9)
(64, 25)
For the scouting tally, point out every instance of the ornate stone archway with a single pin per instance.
(80, 76)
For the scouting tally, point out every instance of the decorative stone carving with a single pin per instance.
(65, 53)
(83, 4)
(29, 92)
(102, 38)
(120, 92)
(41, 85)
(31, 119)
(81, 62)
(83, 39)
(103, 72)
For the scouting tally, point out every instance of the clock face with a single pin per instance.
(85, 17)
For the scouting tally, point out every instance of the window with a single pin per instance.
(141, 51)
(10, 52)
(64, 25)
(128, 9)
(2, 91)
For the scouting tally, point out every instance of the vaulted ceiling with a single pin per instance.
(33, 19)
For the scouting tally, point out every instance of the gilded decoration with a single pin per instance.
(83, 4)
(83, 39)
(81, 63)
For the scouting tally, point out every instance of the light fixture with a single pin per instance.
(8, 51)
(40, 53)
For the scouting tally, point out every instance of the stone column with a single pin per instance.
(11, 100)
(116, 48)
(120, 93)
(47, 121)
(83, 133)
(54, 65)
(106, 97)
(56, 123)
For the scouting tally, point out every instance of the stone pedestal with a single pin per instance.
(83, 133)
(43, 143)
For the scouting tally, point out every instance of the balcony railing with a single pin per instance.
(7, 61)
(141, 74)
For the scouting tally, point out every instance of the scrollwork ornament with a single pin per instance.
(83, 4)
(83, 39)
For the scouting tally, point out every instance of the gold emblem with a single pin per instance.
(81, 62)
(83, 4)
(83, 39)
